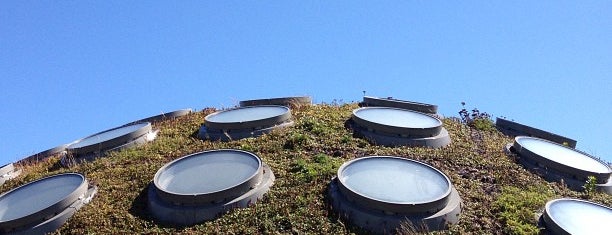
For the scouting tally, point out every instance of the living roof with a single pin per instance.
(499, 195)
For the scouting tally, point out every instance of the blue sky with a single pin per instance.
(69, 69)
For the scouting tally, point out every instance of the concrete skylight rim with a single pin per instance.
(55, 207)
(552, 223)
(373, 101)
(413, 132)
(110, 143)
(284, 101)
(602, 177)
(46, 153)
(163, 116)
(405, 208)
(7, 168)
(269, 121)
(208, 197)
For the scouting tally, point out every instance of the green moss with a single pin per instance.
(296, 140)
(321, 166)
(518, 208)
(304, 158)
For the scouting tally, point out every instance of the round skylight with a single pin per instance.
(399, 127)
(33, 205)
(394, 184)
(46, 154)
(402, 104)
(379, 193)
(8, 172)
(284, 101)
(163, 116)
(561, 154)
(109, 139)
(208, 176)
(202, 186)
(512, 128)
(39, 195)
(561, 158)
(6, 169)
(234, 118)
(395, 120)
(245, 122)
(573, 216)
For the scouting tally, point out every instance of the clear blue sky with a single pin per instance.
(69, 69)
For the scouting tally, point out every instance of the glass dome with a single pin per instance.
(283, 101)
(578, 216)
(205, 185)
(108, 135)
(394, 184)
(40, 195)
(208, 177)
(397, 117)
(208, 172)
(562, 155)
(244, 122)
(394, 180)
(246, 114)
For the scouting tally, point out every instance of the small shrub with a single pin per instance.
(476, 119)
(589, 187)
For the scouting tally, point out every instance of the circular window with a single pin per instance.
(564, 160)
(394, 184)
(399, 127)
(397, 121)
(379, 193)
(8, 172)
(285, 101)
(163, 116)
(207, 184)
(206, 177)
(110, 139)
(44, 200)
(6, 169)
(245, 122)
(45, 154)
(402, 104)
(573, 216)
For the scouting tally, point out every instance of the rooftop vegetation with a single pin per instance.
(499, 195)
